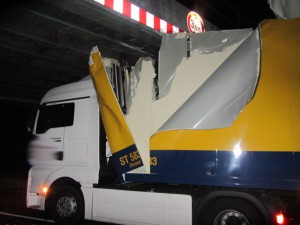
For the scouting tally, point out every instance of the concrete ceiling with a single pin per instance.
(44, 44)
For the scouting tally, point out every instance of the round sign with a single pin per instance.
(195, 23)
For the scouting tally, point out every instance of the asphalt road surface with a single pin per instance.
(13, 208)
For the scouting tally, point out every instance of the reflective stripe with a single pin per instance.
(140, 15)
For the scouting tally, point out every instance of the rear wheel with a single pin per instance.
(232, 211)
(67, 205)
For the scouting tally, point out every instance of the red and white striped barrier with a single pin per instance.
(142, 16)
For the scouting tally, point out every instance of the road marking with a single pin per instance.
(26, 217)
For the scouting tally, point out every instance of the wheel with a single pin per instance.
(232, 211)
(67, 205)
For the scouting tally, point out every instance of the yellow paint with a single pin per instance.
(271, 121)
(117, 131)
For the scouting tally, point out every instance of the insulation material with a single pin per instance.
(139, 105)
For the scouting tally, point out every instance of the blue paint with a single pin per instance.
(293, 185)
(274, 165)
(250, 169)
(297, 165)
(229, 165)
(125, 160)
(183, 162)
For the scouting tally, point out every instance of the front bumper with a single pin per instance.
(35, 201)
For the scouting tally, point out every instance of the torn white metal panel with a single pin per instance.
(172, 51)
(175, 48)
(285, 8)
(217, 41)
(208, 52)
(211, 86)
(225, 93)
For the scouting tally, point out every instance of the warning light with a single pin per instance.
(45, 190)
(280, 218)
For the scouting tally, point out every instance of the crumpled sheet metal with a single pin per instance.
(286, 9)
(122, 145)
(174, 49)
(221, 98)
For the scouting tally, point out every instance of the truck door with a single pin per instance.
(48, 143)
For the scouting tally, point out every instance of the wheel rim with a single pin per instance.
(231, 217)
(66, 206)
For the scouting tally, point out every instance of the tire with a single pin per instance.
(67, 205)
(232, 211)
